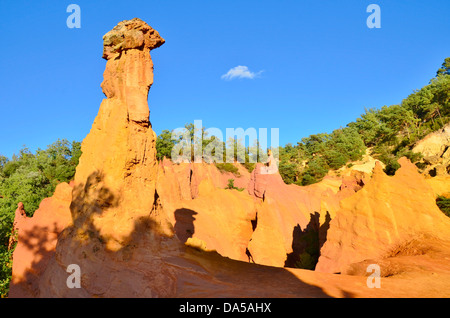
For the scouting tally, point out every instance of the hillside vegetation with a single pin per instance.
(390, 132)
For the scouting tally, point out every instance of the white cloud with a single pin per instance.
(240, 72)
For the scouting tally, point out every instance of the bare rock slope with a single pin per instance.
(388, 212)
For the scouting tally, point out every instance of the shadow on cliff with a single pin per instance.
(306, 243)
(148, 258)
(233, 278)
(94, 199)
(82, 243)
(184, 224)
(90, 199)
(39, 244)
(228, 278)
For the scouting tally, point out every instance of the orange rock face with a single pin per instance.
(386, 213)
(202, 212)
(284, 210)
(37, 241)
(257, 224)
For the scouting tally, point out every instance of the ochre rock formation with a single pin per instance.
(129, 71)
(118, 168)
(37, 238)
(386, 213)
(440, 185)
(201, 211)
(137, 228)
(256, 224)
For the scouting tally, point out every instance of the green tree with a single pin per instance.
(164, 145)
(315, 170)
(288, 171)
(431, 104)
(445, 68)
(369, 127)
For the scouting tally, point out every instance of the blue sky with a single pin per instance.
(316, 64)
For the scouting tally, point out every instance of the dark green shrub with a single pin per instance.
(230, 186)
(444, 204)
(391, 168)
(249, 166)
(421, 165)
(412, 156)
(309, 257)
(5, 271)
(315, 170)
(228, 167)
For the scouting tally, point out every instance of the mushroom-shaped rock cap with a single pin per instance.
(130, 34)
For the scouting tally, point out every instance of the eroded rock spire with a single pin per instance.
(129, 71)
(115, 179)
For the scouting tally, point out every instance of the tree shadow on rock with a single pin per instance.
(135, 269)
(90, 199)
(40, 245)
(184, 224)
(35, 247)
(307, 242)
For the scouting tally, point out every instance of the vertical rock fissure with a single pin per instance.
(157, 206)
(254, 223)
